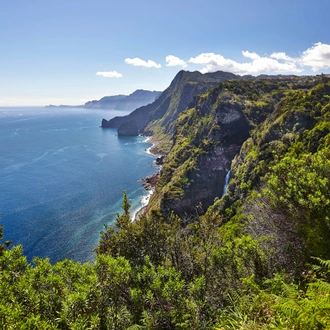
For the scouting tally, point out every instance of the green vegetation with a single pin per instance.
(256, 258)
(3, 246)
(252, 114)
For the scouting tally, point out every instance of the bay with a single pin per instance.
(62, 178)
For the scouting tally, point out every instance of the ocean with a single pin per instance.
(62, 178)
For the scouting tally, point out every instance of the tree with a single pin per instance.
(7, 243)
(124, 220)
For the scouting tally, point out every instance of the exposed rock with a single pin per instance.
(140, 116)
(159, 160)
(227, 115)
(150, 182)
(106, 124)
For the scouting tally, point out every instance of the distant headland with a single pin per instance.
(118, 102)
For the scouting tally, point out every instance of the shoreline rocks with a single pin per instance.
(150, 182)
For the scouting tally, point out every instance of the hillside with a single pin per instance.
(210, 134)
(256, 257)
(158, 118)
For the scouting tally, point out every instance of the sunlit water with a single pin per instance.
(62, 177)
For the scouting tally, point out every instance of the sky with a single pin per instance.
(74, 51)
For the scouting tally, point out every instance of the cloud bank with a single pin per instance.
(139, 62)
(316, 57)
(257, 64)
(109, 74)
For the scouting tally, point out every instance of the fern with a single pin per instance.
(136, 327)
(309, 310)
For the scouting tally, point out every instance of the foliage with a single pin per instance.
(3, 246)
(269, 113)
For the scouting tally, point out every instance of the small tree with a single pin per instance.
(126, 205)
(124, 220)
(110, 238)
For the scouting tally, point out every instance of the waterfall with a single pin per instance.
(226, 183)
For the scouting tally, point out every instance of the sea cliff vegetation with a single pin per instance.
(255, 258)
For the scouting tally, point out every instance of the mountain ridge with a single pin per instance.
(158, 118)
(138, 98)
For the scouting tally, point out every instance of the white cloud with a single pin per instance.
(214, 62)
(172, 60)
(139, 62)
(282, 56)
(317, 57)
(252, 56)
(109, 74)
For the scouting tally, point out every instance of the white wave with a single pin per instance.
(18, 166)
(60, 150)
(144, 202)
(54, 130)
(23, 119)
(101, 156)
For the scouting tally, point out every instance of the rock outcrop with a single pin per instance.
(128, 128)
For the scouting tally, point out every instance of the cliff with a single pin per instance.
(210, 134)
(129, 128)
(159, 117)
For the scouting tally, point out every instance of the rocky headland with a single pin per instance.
(158, 118)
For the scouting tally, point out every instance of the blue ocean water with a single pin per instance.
(62, 177)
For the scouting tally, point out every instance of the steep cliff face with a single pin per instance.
(299, 123)
(159, 117)
(128, 128)
(207, 138)
(210, 134)
(182, 90)
(140, 116)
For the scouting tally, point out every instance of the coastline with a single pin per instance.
(149, 183)
(144, 201)
(149, 139)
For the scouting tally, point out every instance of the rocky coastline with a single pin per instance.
(149, 183)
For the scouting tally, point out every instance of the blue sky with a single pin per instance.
(69, 51)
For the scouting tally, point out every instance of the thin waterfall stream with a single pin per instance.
(226, 183)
